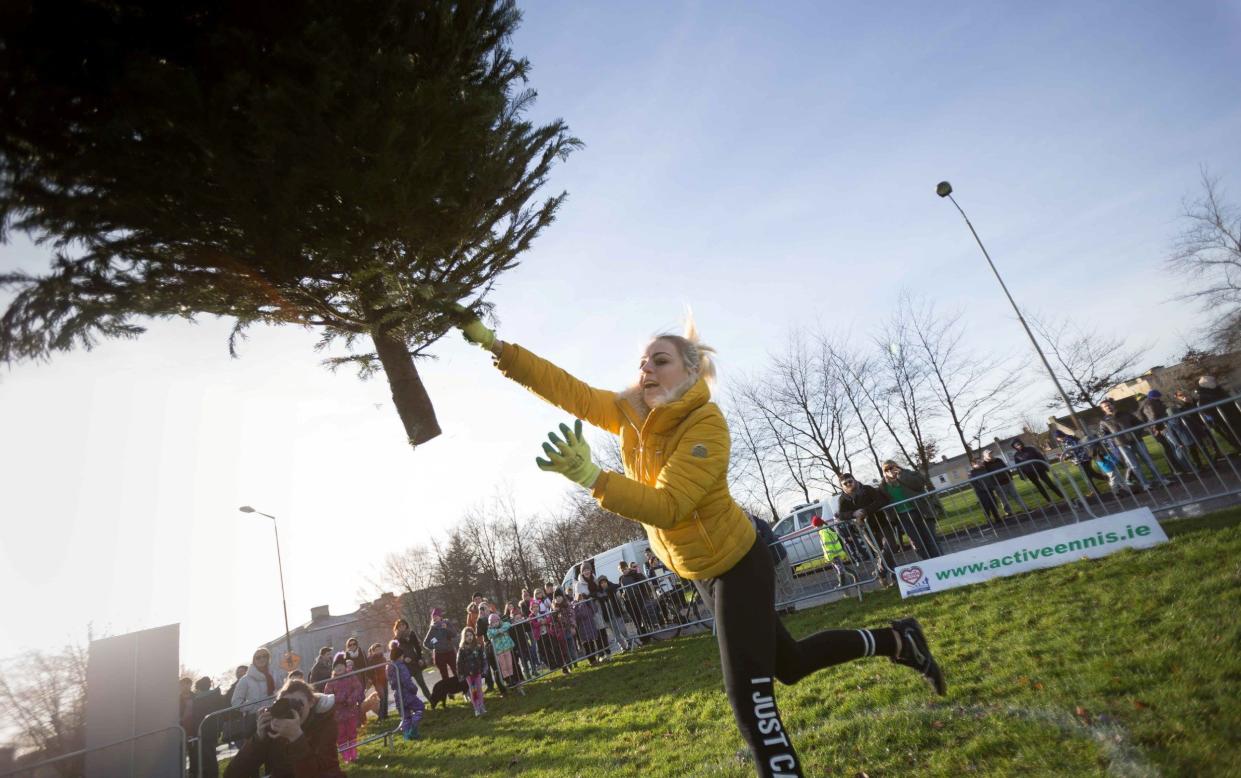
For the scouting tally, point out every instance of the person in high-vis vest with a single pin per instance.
(675, 451)
(833, 548)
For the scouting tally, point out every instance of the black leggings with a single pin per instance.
(755, 648)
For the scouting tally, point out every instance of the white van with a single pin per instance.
(795, 531)
(605, 563)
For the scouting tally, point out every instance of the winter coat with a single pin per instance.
(377, 671)
(1192, 421)
(998, 469)
(499, 637)
(252, 688)
(348, 693)
(584, 619)
(320, 674)
(1031, 460)
(313, 755)
(411, 651)
(864, 498)
(440, 638)
(470, 660)
(605, 600)
(401, 680)
(1227, 413)
(1122, 420)
(202, 705)
(676, 463)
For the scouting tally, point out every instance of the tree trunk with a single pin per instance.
(410, 397)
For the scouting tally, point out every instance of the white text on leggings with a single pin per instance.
(769, 724)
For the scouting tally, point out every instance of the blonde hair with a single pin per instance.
(699, 358)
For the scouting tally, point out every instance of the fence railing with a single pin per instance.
(39, 769)
(804, 573)
(1166, 464)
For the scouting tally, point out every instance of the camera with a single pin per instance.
(284, 708)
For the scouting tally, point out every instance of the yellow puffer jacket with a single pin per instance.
(676, 465)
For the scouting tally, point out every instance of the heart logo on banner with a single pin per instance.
(912, 575)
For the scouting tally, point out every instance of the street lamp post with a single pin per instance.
(944, 189)
(288, 639)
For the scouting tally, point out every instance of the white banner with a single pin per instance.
(1049, 548)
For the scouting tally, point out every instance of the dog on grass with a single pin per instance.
(444, 688)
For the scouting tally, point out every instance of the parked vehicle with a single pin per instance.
(605, 562)
(800, 540)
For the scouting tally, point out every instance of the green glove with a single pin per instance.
(473, 328)
(569, 457)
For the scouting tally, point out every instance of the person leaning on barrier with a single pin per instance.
(1152, 408)
(1194, 429)
(609, 606)
(1129, 444)
(1001, 483)
(1034, 468)
(1226, 418)
(916, 516)
(982, 484)
(866, 503)
(294, 738)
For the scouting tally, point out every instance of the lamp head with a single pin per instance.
(246, 509)
(943, 189)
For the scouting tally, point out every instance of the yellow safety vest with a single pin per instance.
(832, 547)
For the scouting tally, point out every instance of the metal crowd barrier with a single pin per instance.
(245, 714)
(1196, 473)
(813, 577)
(1188, 469)
(32, 769)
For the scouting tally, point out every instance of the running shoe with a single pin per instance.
(916, 653)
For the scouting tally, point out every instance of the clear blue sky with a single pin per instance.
(771, 164)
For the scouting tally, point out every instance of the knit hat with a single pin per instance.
(493, 619)
(339, 659)
(817, 521)
(1154, 394)
(1207, 382)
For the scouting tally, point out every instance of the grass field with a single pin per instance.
(1129, 665)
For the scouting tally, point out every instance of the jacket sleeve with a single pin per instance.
(314, 755)
(247, 762)
(874, 500)
(596, 406)
(698, 463)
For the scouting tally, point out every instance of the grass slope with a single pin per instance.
(1127, 665)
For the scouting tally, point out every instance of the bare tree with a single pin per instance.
(490, 551)
(802, 400)
(972, 389)
(1208, 251)
(753, 444)
(521, 564)
(1087, 362)
(907, 402)
(855, 377)
(43, 703)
